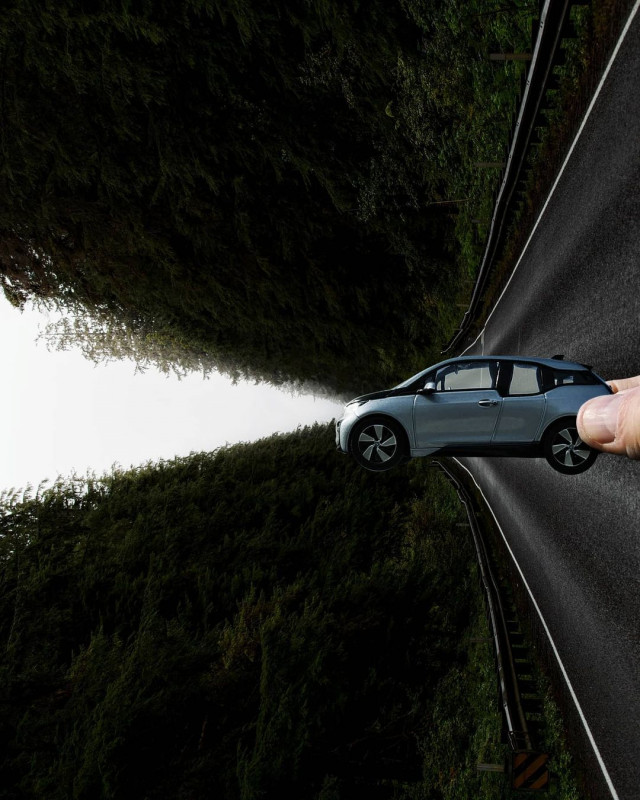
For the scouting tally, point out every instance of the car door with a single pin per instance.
(523, 403)
(464, 408)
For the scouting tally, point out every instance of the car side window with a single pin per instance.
(526, 379)
(467, 375)
(563, 377)
(553, 378)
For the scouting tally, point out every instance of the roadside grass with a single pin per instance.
(466, 724)
(564, 785)
(455, 106)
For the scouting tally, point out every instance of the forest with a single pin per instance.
(262, 621)
(286, 192)
(271, 189)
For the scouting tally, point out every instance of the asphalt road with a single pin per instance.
(576, 539)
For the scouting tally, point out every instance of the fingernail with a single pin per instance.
(600, 418)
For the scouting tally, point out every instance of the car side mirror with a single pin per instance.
(429, 388)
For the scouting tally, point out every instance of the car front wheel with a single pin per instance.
(378, 444)
(564, 449)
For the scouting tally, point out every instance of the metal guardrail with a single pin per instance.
(511, 701)
(554, 15)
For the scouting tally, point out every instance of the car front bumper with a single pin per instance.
(338, 426)
(343, 430)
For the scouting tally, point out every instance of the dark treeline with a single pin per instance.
(258, 183)
(264, 621)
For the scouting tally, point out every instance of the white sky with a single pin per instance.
(61, 414)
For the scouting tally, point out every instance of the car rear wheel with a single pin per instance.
(564, 449)
(378, 443)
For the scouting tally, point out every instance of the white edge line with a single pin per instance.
(605, 772)
(605, 74)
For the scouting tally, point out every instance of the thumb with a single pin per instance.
(612, 423)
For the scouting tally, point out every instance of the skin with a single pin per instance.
(612, 423)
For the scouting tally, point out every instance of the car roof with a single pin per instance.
(555, 363)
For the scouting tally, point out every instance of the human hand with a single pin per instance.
(612, 422)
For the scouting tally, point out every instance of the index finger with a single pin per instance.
(623, 384)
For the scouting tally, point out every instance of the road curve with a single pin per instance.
(576, 540)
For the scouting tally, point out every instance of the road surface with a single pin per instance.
(576, 290)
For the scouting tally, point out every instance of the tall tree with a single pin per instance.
(265, 185)
(225, 174)
(261, 621)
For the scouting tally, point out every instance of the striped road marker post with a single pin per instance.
(529, 771)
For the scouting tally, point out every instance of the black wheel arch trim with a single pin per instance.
(572, 418)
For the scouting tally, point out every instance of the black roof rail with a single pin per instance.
(559, 357)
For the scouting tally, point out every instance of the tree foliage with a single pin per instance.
(260, 183)
(260, 621)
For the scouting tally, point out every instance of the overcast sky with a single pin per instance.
(61, 414)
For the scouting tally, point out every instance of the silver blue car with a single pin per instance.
(475, 406)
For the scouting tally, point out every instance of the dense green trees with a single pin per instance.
(257, 183)
(268, 188)
(234, 624)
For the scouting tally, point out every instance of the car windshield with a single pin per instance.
(413, 378)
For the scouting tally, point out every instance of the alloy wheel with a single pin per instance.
(568, 448)
(377, 444)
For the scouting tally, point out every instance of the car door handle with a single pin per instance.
(486, 403)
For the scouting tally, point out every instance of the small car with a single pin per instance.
(476, 406)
